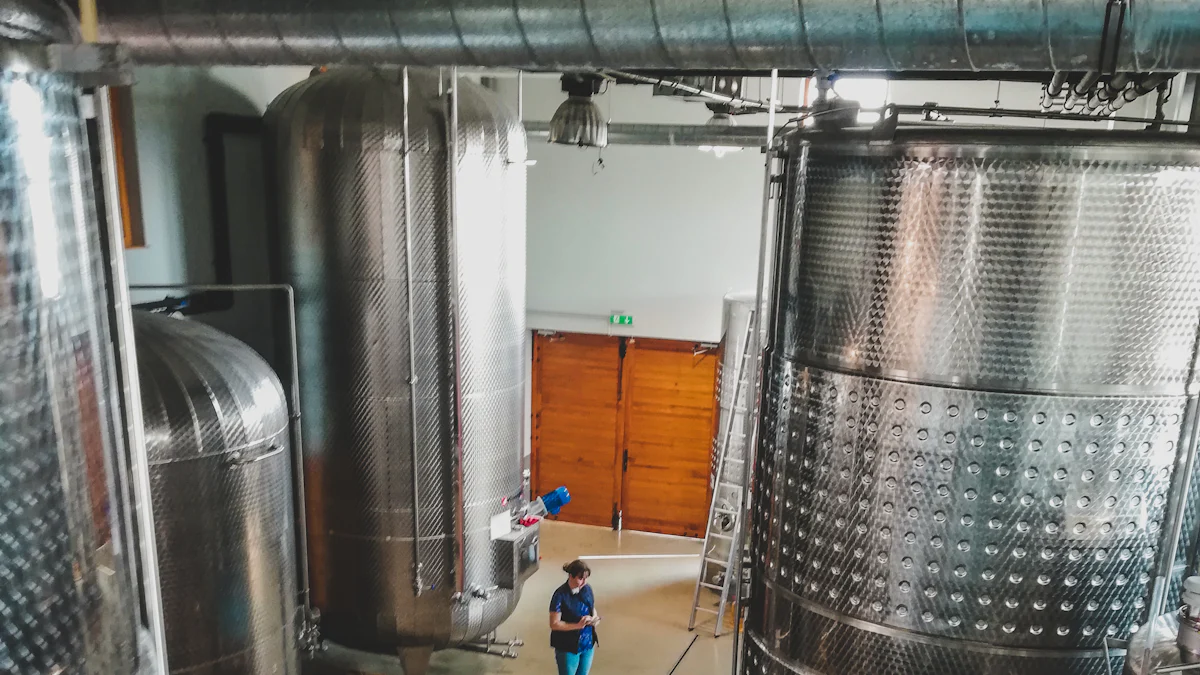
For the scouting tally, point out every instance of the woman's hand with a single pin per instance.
(556, 622)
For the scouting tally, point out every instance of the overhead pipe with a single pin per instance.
(1078, 94)
(816, 35)
(1055, 87)
(1136, 90)
(732, 101)
(418, 583)
(456, 323)
(680, 135)
(766, 283)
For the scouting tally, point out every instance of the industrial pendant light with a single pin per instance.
(721, 119)
(578, 121)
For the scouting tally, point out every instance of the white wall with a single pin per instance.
(661, 233)
(169, 109)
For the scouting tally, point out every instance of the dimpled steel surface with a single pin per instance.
(976, 399)
(339, 149)
(221, 477)
(65, 602)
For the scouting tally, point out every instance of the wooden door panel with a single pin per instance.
(668, 435)
(576, 380)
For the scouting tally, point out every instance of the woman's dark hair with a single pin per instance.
(577, 569)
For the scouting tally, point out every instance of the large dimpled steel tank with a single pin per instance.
(978, 400)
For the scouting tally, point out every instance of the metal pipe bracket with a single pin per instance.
(92, 64)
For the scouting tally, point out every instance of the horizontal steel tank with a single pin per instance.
(66, 604)
(409, 271)
(220, 468)
(979, 401)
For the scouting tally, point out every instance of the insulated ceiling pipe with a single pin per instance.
(845, 35)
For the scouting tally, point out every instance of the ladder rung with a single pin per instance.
(729, 511)
(735, 459)
(725, 483)
(715, 587)
(717, 561)
(705, 609)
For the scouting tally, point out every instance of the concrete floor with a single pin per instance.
(644, 603)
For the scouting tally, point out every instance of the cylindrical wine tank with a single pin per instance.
(410, 291)
(65, 600)
(979, 400)
(733, 427)
(220, 469)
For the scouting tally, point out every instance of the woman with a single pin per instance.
(573, 620)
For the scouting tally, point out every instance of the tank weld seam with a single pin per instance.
(370, 537)
(977, 144)
(226, 451)
(483, 393)
(986, 385)
(935, 640)
(486, 502)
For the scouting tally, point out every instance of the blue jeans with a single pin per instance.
(574, 664)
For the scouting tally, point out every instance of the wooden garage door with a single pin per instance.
(627, 425)
(669, 422)
(576, 384)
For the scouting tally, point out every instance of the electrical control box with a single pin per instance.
(515, 555)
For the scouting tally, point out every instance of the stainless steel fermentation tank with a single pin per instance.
(65, 596)
(220, 468)
(410, 286)
(979, 401)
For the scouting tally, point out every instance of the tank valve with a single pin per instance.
(418, 583)
(309, 638)
(1188, 637)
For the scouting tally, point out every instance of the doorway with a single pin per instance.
(627, 425)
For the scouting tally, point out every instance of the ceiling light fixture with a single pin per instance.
(720, 119)
(578, 121)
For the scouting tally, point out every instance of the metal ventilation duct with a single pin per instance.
(35, 21)
(220, 465)
(65, 596)
(409, 272)
(895, 35)
(980, 407)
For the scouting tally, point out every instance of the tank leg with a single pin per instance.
(506, 649)
(415, 659)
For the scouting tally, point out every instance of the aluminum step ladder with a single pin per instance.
(726, 512)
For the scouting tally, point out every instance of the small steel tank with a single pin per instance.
(406, 246)
(220, 468)
(979, 401)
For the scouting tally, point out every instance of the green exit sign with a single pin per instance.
(621, 319)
